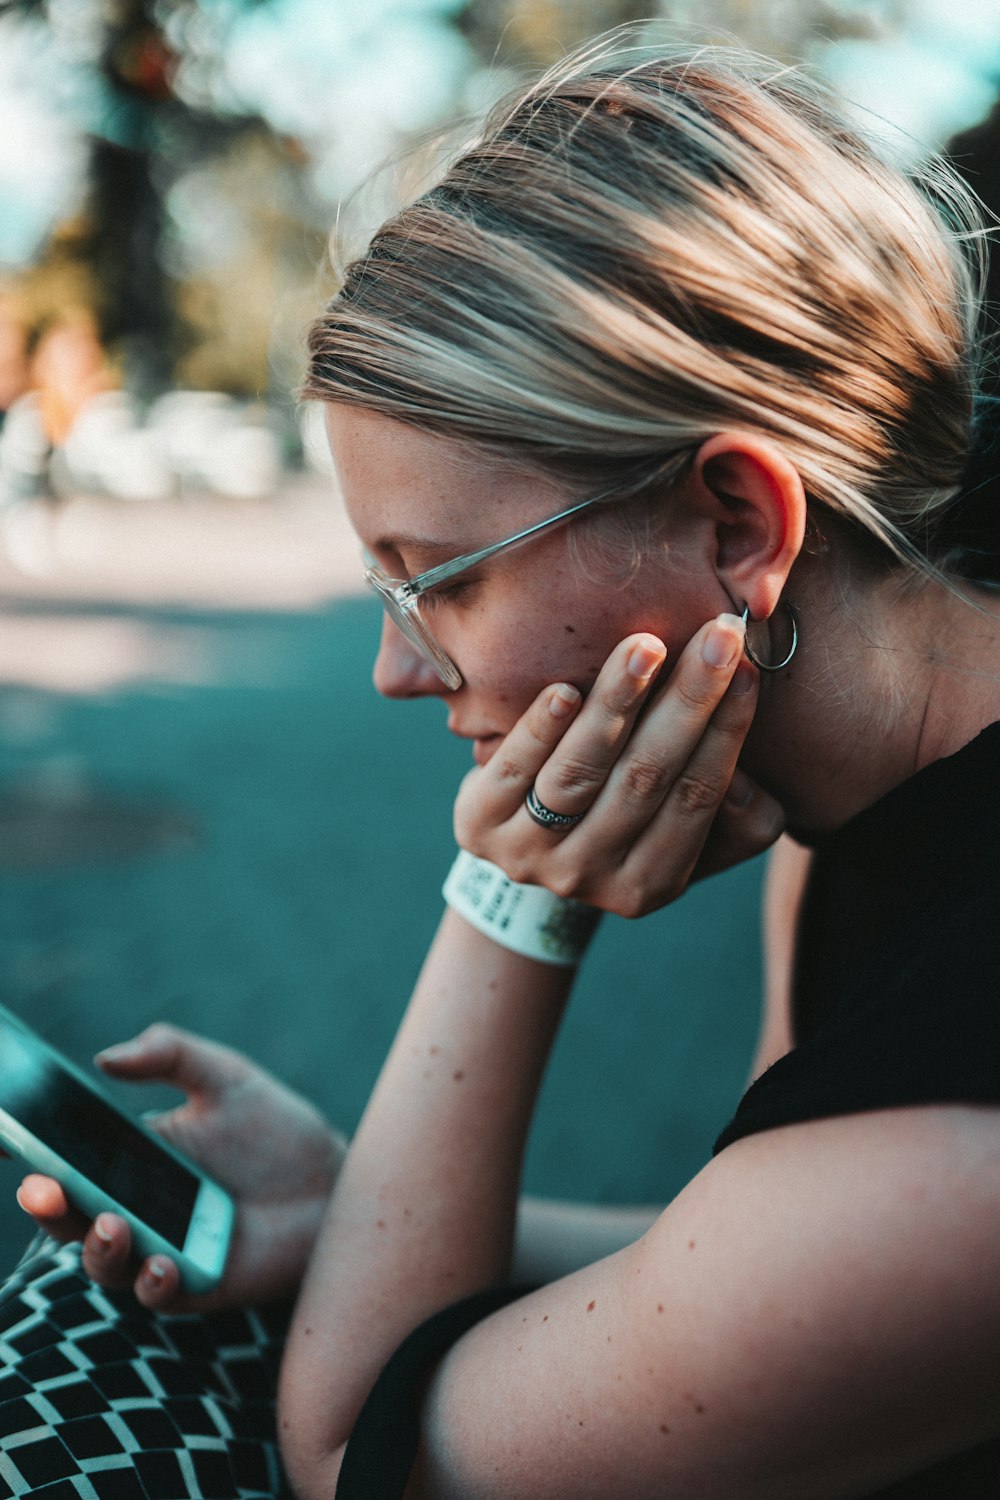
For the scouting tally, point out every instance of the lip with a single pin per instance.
(483, 745)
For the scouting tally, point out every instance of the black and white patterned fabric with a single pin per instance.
(100, 1400)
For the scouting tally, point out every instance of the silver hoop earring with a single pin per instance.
(767, 666)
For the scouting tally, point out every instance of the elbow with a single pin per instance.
(312, 1473)
(311, 1451)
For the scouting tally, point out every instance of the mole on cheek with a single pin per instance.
(570, 629)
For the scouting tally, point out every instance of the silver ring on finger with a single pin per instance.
(545, 817)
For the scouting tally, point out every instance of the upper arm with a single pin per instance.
(555, 1237)
(787, 869)
(817, 1314)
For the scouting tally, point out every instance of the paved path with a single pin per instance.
(207, 815)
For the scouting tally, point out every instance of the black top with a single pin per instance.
(896, 987)
(896, 994)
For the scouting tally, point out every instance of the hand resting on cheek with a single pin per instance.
(651, 764)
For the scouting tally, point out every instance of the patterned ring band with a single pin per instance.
(545, 817)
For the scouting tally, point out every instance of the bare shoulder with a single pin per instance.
(817, 1313)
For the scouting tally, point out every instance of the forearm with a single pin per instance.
(425, 1206)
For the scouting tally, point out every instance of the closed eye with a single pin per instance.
(446, 593)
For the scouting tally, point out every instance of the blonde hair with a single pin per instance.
(635, 254)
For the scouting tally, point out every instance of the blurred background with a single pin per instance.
(206, 815)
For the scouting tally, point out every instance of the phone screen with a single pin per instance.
(94, 1138)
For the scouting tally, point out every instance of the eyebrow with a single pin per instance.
(408, 541)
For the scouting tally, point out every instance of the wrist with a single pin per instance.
(528, 919)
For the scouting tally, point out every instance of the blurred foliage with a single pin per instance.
(121, 256)
(539, 31)
(199, 239)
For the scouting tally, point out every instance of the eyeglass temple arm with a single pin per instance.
(447, 570)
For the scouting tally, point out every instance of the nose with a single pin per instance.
(401, 671)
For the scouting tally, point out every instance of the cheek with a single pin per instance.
(512, 662)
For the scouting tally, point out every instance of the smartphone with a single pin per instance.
(63, 1123)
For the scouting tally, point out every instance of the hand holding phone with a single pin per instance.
(67, 1127)
(269, 1148)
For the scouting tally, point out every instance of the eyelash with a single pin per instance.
(446, 593)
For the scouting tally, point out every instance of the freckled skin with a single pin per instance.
(529, 617)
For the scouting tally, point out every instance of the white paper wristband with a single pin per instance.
(525, 918)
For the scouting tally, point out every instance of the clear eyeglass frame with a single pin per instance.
(401, 596)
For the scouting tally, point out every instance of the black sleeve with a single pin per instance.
(383, 1445)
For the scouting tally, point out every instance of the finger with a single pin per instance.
(107, 1251)
(491, 794)
(646, 832)
(44, 1199)
(166, 1054)
(662, 757)
(574, 774)
(158, 1284)
(748, 822)
(612, 704)
(690, 807)
(698, 792)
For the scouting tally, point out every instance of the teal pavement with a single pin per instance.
(259, 856)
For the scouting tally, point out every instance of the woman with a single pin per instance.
(652, 419)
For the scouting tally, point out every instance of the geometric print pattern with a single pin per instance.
(102, 1400)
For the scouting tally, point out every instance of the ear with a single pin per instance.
(757, 503)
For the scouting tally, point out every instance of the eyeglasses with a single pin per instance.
(401, 597)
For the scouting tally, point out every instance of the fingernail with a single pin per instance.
(644, 658)
(563, 700)
(154, 1273)
(724, 641)
(743, 679)
(20, 1202)
(102, 1231)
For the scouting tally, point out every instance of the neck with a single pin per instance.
(880, 687)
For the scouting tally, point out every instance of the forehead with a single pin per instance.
(399, 481)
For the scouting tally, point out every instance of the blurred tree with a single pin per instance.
(538, 31)
(145, 130)
(204, 220)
